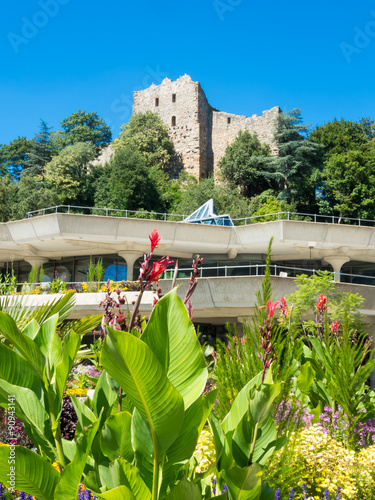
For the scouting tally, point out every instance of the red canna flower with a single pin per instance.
(322, 303)
(271, 308)
(158, 269)
(154, 239)
(334, 327)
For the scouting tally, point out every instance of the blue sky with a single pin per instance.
(59, 56)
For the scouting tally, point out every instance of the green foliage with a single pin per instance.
(271, 206)
(244, 164)
(7, 197)
(306, 296)
(83, 127)
(193, 194)
(65, 174)
(32, 277)
(346, 177)
(297, 158)
(147, 134)
(125, 183)
(41, 150)
(13, 156)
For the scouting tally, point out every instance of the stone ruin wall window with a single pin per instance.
(173, 121)
(228, 120)
(156, 102)
(173, 97)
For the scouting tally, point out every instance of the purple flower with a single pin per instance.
(326, 494)
(292, 494)
(277, 494)
(338, 491)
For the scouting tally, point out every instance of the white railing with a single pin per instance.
(327, 219)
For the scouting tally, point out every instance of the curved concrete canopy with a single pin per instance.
(64, 235)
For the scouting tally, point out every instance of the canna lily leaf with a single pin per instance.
(172, 338)
(34, 474)
(137, 370)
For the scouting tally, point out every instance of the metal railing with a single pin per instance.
(142, 214)
(222, 271)
(259, 269)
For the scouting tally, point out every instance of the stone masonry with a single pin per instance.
(200, 133)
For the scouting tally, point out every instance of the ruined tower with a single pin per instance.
(200, 133)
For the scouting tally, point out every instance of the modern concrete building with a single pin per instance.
(234, 257)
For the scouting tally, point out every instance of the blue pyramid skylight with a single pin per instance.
(207, 214)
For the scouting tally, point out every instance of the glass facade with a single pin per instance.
(72, 270)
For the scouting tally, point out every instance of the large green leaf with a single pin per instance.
(70, 346)
(244, 483)
(183, 448)
(185, 490)
(85, 416)
(121, 473)
(171, 336)
(104, 396)
(240, 405)
(30, 410)
(23, 343)
(49, 343)
(143, 447)
(137, 370)
(115, 438)
(222, 443)
(67, 488)
(17, 370)
(34, 474)
(120, 493)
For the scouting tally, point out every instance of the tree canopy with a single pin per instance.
(147, 133)
(13, 156)
(245, 164)
(83, 127)
(296, 159)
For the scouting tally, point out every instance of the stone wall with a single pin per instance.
(200, 133)
(226, 126)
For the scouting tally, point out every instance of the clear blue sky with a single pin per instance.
(248, 56)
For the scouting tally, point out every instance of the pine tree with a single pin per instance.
(296, 159)
(41, 150)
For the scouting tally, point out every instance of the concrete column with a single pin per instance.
(130, 258)
(336, 261)
(38, 261)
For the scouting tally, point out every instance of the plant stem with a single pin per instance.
(155, 479)
(253, 444)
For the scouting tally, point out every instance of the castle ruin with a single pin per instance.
(200, 133)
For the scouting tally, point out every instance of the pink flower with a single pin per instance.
(154, 239)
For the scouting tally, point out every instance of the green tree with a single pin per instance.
(348, 183)
(32, 192)
(297, 158)
(341, 136)
(244, 164)
(125, 183)
(41, 150)
(146, 133)
(13, 156)
(83, 127)
(346, 177)
(7, 192)
(66, 173)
